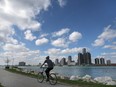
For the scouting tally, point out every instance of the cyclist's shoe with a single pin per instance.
(47, 80)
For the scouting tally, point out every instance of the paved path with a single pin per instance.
(9, 79)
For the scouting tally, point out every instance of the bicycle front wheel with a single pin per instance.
(40, 77)
(52, 79)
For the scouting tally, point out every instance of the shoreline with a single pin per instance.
(79, 82)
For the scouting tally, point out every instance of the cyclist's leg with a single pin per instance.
(47, 73)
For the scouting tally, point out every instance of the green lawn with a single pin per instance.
(79, 83)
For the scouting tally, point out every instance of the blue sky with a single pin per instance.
(33, 29)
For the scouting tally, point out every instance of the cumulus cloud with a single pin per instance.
(41, 41)
(110, 47)
(75, 36)
(99, 42)
(61, 32)
(62, 3)
(6, 34)
(21, 56)
(108, 34)
(60, 42)
(29, 36)
(15, 47)
(44, 35)
(22, 12)
(55, 51)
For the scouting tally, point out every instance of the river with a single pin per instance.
(94, 71)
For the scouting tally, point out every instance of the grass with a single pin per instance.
(76, 83)
(1, 85)
(82, 83)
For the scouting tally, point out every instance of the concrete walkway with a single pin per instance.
(8, 79)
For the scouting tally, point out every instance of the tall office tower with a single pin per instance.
(69, 60)
(80, 59)
(102, 61)
(88, 58)
(84, 50)
(108, 62)
(63, 61)
(97, 61)
(84, 58)
(56, 62)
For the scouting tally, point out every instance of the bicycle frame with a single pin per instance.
(42, 76)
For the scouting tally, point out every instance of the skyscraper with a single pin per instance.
(56, 62)
(88, 56)
(69, 60)
(84, 58)
(108, 62)
(80, 59)
(97, 61)
(63, 61)
(84, 50)
(102, 61)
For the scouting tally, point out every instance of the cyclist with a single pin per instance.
(49, 68)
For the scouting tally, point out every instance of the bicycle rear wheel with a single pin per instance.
(40, 77)
(52, 79)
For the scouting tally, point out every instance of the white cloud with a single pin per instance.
(75, 36)
(29, 36)
(61, 32)
(99, 42)
(21, 56)
(114, 43)
(22, 12)
(110, 46)
(60, 42)
(6, 34)
(72, 50)
(108, 34)
(54, 51)
(44, 35)
(41, 41)
(15, 47)
(62, 3)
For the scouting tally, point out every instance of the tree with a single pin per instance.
(7, 61)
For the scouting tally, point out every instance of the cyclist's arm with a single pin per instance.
(43, 63)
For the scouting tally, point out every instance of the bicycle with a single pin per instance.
(41, 76)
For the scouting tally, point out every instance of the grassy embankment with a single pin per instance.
(1, 85)
(75, 83)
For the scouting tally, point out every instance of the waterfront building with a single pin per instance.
(88, 56)
(84, 58)
(69, 60)
(102, 61)
(80, 59)
(108, 62)
(63, 61)
(84, 50)
(73, 63)
(56, 62)
(22, 63)
(97, 61)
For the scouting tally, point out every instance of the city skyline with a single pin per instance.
(83, 59)
(30, 30)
